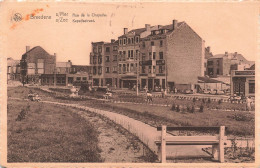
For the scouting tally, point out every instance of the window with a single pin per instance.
(150, 69)
(143, 45)
(153, 69)
(217, 62)
(161, 55)
(160, 69)
(107, 69)
(94, 70)
(129, 41)
(107, 59)
(154, 55)
(114, 48)
(127, 68)
(210, 62)
(120, 41)
(84, 78)
(100, 60)
(95, 49)
(120, 66)
(129, 53)
(99, 70)
(217, 71)
(124, 68)
(152, 43)
(161, 43)
(150, 55)
(99, 49)
(124, 41)
(143, 69)
(137, 39)
(143, 57)
(114, 57)
(107, 49)
(114, 69)
(132, 68)
(78, 78)
(136, 54)
(132, 54)
(251, 86)
(132, 40)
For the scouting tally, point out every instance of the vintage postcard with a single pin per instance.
(129, 84)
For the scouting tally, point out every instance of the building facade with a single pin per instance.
(13, 69)
(172, 53)
(34, 63)
(104, 63)
(223, 64)
(243, 83)
(129, 55)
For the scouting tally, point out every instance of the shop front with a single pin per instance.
(243, 83)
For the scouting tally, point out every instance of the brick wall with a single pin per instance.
(185, 56)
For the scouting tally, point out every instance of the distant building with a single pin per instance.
(223, 64)
(13, 69)
(243, 83)
(104, 63)
(34, 63)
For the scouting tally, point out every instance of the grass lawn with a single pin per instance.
(49, 133)
(238, 123)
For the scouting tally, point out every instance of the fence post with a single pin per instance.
(221, 143)
(163, 144)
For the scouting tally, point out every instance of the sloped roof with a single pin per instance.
(136, 31)
(231, 56)
(38, 50)
(204, 79)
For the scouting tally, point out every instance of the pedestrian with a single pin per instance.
(248, 103)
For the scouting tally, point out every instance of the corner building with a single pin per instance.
(128, 55)
(172, 53)
(104, 63)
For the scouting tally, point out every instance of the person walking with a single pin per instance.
(248, 103)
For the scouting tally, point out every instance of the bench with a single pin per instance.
(217, 141)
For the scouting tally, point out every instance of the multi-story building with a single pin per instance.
(128, 54)
(34, 63)
(104, 63)
(13, 69)
(223, 64)
(172, 53)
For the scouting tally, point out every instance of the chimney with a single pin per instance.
(27, 48)
(235, 54)
(69, 61)
(147, 27)
(112, 40)
(208, 48)
(226, 53)
(125, 30)
(174, 24)
(54, 54)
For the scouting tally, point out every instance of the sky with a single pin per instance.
(230, 27)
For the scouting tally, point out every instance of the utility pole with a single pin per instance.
(137, 74)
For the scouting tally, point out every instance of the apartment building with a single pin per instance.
(34, 63)
(223, 64)
(172, 53)
(104, 63)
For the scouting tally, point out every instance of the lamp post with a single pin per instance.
(137, 74)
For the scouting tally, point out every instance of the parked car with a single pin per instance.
(214, 91)
(188, 91)
(206, 91)
(220, 92)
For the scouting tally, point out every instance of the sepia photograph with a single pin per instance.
(132, 84)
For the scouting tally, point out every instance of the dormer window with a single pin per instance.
(137, 39)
